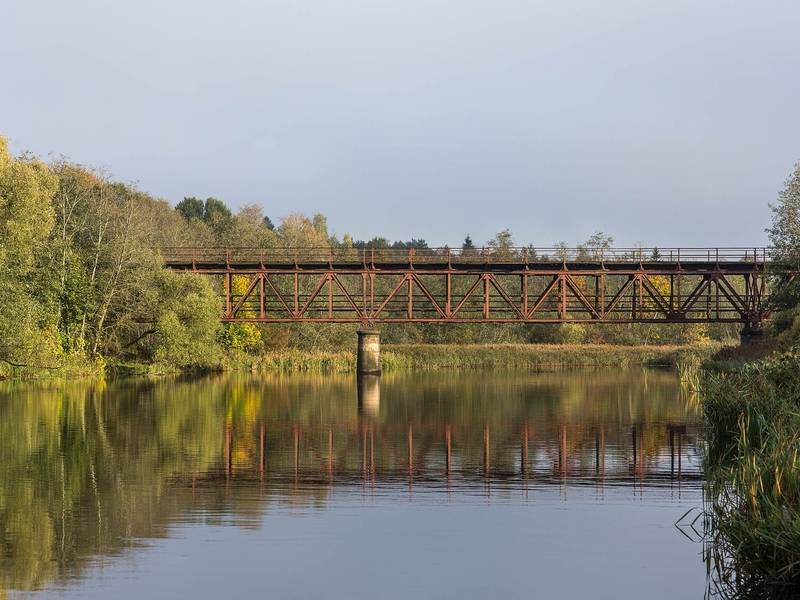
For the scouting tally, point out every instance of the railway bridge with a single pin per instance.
(487, 285)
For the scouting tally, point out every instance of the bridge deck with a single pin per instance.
(661, 267)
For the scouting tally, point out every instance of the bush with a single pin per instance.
(570, 333)
(185, 334)
(242, 337)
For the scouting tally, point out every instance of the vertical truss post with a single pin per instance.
(597, 293)
(640, 291)
(364, 290)
(372, 293)
(410, 307)
(262, 308)
(747, 292)
(448, 292)
(485, 296)
(603, 283)
(634, 296)
(228, 291)
(296, 294)
(330, 295)
(524, 291)
(671, 293)
(562, 297)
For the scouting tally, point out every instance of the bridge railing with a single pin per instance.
(492, 255)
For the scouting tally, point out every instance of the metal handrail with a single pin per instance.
(514, 255)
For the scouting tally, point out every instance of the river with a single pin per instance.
(422, 484)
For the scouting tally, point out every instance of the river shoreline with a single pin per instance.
(754, 475)
(398, 357)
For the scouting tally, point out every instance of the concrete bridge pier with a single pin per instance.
(368, 370)
(369, 352)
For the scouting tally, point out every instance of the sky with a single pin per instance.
(659, 123)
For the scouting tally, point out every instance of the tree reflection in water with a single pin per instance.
(88, 469)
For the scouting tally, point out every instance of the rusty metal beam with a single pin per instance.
(365, 287)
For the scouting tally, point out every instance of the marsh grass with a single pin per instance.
(477, 356)
(754, 477)
(546, 356)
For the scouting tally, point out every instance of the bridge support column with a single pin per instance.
(752, 334)
(369, 352)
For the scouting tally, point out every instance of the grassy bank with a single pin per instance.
(753, 414)
(65, 367)
(396, 357)
(478, 356)
(544, 356)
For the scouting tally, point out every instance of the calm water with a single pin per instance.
(443, 485)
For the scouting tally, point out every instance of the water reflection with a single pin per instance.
(90, 470)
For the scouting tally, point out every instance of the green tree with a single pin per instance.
(417, 244)
(28, 332)
(216, 210)
(596, 247)
(502, 245)
(561, 250)
(250, 230)
(376, 243)
(784, 235)
(298, 231)
(191, 208)
(186, 329)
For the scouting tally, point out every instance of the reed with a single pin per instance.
(754, 477)
(546, 356)
(475, 356)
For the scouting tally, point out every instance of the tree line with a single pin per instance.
(81, 281)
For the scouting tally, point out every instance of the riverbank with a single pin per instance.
(398, 357)
(480, 356)
(753, 417)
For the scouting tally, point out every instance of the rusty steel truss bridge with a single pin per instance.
(508, 285)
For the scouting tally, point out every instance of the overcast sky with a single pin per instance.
(658, 122)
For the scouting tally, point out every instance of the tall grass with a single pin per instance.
(754, 477)
(545, 356)
(475, 356)
(294, 360)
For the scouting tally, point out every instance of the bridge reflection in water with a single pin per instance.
(445, 446)
(87, 470)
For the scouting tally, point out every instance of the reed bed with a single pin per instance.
(479, 356)
(547, 356)
(754, 477)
